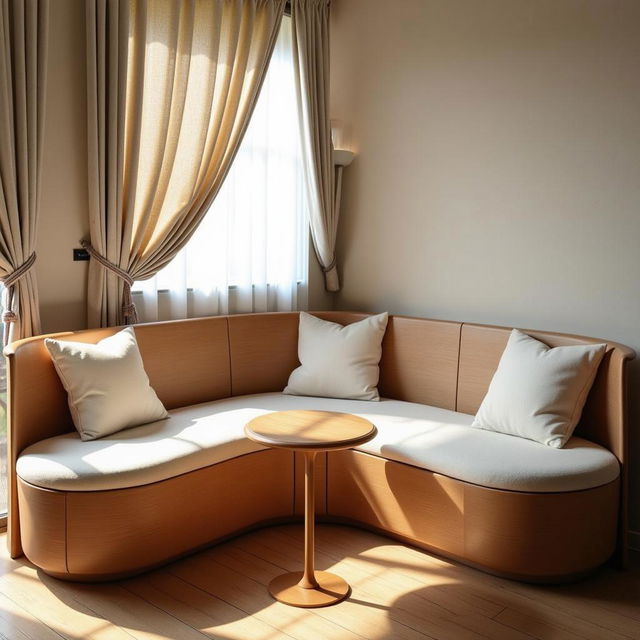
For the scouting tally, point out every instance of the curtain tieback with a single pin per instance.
(129, 312)
(330, 267)
(9, 315)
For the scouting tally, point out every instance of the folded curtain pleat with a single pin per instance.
(311, 59)
(187, 76)
(23, 63)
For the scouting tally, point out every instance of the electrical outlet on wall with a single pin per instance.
(80, 255)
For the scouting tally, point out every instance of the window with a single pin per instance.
(250, 253)
(3, 430)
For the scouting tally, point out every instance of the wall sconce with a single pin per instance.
(342, 157)
(342, 146)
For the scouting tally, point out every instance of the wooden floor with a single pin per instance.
(398, 592)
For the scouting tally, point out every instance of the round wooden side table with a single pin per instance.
(310, 432)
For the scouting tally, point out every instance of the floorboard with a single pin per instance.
(398, 592)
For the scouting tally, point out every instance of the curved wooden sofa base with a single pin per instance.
(433, 551)
(131, 573)
(105, 535)
(534, 537)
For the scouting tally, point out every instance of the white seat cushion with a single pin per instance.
(191, 438)
(426, 437)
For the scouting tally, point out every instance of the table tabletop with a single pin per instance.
(307, 429)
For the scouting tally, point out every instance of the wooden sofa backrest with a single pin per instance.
(264, 348)
(187, 362)
(603, 418)
(420, 361)
(36, 401)
(443, 364)
(419, 357)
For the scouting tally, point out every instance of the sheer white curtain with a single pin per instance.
(250, 252)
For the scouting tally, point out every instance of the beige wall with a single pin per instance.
(498, 170)
(63, 215)
(63, 221)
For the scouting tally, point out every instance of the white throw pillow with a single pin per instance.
(337, 361)
(538, 392)
(107, 386)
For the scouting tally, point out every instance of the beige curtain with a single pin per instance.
(310, 20)
(23, 54)
(171, 88)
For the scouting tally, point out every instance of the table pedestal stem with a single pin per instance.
(308, 578)
(309, 588)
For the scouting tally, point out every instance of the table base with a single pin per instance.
(330, 590)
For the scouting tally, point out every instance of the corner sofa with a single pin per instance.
(119, 505)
